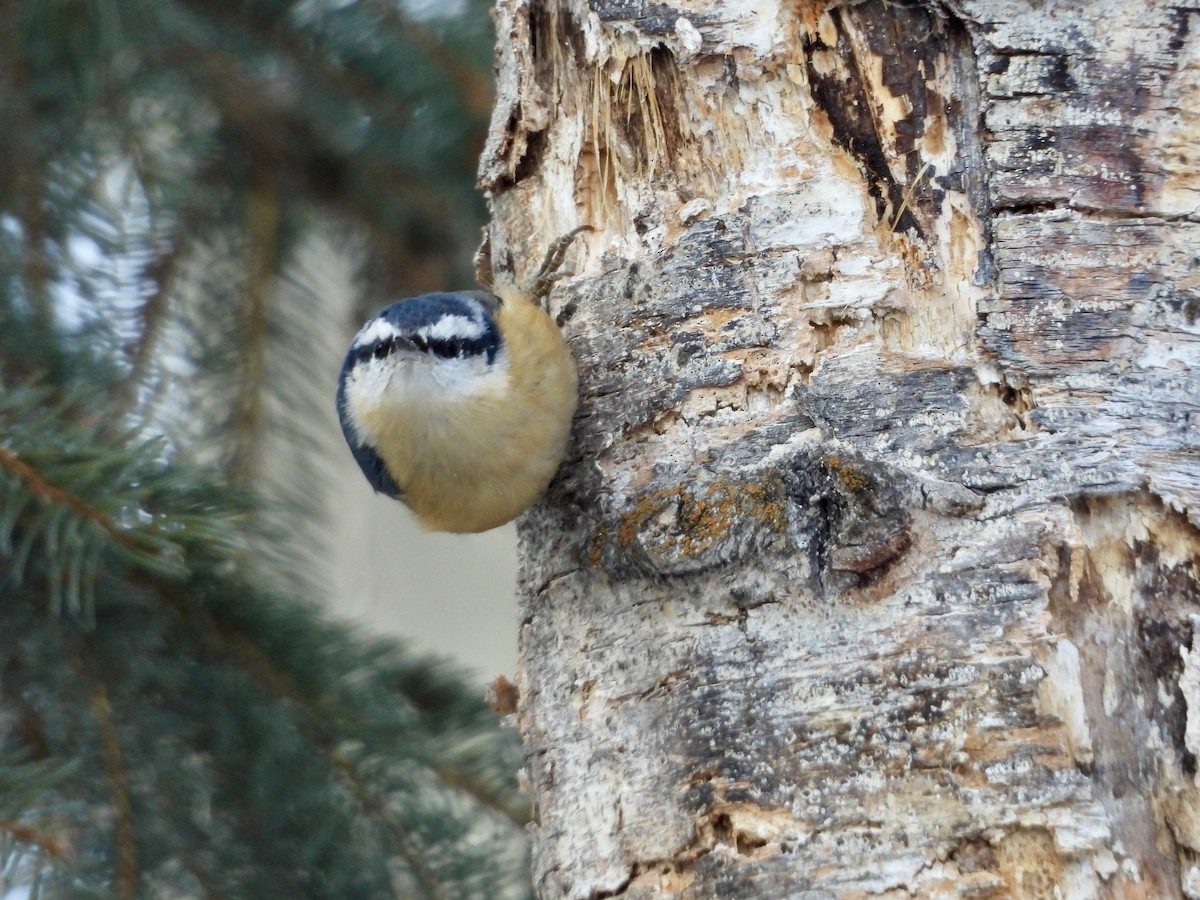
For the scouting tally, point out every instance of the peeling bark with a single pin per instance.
(874, 569)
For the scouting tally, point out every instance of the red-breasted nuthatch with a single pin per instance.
(460, 404)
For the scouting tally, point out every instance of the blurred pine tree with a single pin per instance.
(174, 721)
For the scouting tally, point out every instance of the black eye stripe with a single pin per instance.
(448, 347)
(432, 325)
(445, 348)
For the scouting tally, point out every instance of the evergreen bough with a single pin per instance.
(176, 718)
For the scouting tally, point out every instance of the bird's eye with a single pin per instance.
(420, 343)
(444, 347)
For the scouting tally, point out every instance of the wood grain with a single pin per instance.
(873, 571)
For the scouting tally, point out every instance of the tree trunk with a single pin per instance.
(873, 571)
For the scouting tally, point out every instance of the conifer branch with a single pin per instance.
(51, 493)
(307, 54)
(125, 882)
(473, 85)
(27, 177)
(262, 227)
(274, 738)
(270, 129)
(375, 808)
(151, 315)
(202, 877)
(517, 813)
(279, 684)
(47, 843)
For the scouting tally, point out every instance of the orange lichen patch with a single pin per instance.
(593, 554)
(682, 521)
(648, 505)
(851, 477)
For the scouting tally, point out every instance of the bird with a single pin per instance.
(459, 404)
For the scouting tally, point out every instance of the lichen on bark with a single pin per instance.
(873, 567)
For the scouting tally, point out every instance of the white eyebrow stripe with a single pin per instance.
(448, 327)
(376, 330)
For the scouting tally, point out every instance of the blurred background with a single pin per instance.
(200, 202)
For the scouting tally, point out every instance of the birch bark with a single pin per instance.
(874, 570)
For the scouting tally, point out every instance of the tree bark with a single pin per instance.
(874, 569)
